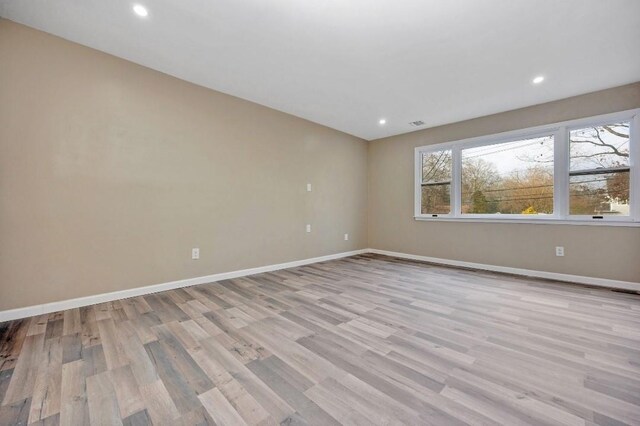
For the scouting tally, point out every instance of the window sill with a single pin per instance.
(597, 222)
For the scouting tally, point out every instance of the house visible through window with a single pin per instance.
(600, 170)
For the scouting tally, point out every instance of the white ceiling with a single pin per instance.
(348, 63)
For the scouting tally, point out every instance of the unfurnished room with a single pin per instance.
(329, 212)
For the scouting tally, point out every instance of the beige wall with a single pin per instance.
(111, 172)
(597, 251)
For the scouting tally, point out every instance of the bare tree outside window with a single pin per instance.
(501, 179)
(599, 170)
(436, 182)
(518, 177)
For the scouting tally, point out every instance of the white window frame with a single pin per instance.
(560, 132)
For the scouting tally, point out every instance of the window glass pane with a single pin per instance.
(599, 147)
(509, 178)
(436, 166)
(436, 199)
(599, 170)
(600, 194)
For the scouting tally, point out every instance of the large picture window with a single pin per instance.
(583, 171)
(509, 178)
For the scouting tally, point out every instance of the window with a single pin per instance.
(509, 178)
(599, 170)
(583, 171)
(436, 182)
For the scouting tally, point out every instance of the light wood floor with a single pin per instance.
(363, 340)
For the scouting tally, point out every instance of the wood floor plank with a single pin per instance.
(5, 378)
(45, 401)
(71, 347)
(221, 409)
(74, 409)
(141, 418)
(338, 407)
(184, 397)
(102, 400)
(278, 407)
(12, 336)
(38, 325)
(127, 391)
(15, 413)
(290, 386)
(72, 322)
(26, 369)
(114, 352)
(248, 408)
(362, 340)
(160, 407)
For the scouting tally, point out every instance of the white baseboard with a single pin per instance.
(599, 282)
(46, 308)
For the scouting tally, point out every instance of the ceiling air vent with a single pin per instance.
(417, 123)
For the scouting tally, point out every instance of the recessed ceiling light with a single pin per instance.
(382, 121)
(140, 10)
(539, 79)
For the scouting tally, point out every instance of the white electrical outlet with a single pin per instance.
(346, 237)
(195, 253)
(308, 228)
(308, 187)
(559, 251)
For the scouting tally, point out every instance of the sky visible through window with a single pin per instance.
(513, 156)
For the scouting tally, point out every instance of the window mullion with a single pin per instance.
(456, 182)
(634, 177)
(561, 173)
(417, 209)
